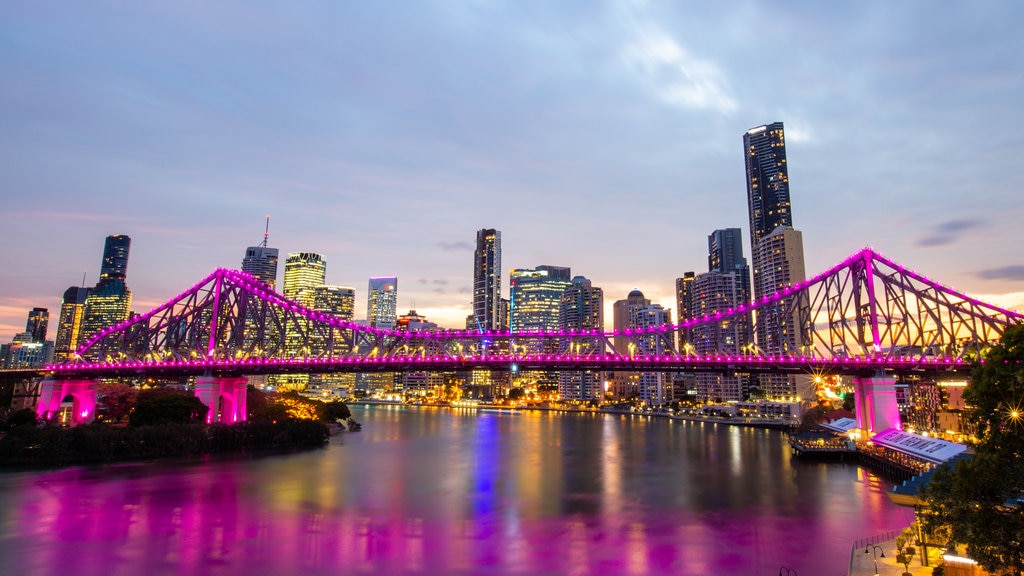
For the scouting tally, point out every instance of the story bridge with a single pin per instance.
(867, 316)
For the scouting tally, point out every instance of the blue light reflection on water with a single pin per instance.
(425, 491)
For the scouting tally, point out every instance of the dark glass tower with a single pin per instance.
(487, 280)
(767, 180)
(725, 254)
(115, 257)
(38, 319)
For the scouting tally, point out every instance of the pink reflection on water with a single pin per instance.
(463, 496)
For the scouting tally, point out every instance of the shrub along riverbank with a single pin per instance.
(100, 443)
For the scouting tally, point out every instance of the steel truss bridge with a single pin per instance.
(863, 315)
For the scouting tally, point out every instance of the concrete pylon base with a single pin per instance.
(83, 393)
(225, 396)
(876, 405)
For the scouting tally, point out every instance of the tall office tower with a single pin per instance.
(626, 314)
(38, 320)
(110, 301)
(535, 297)
(654, 387)
(303, 271)
(115, 257)
(261, 261)
(382, 302)
(69, 325)
(487, 280)
(725, 254)
(339, 302)
(684, 297)
(581, 307)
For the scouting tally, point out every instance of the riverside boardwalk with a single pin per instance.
(863, 563)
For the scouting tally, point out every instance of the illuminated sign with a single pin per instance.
(930, 449)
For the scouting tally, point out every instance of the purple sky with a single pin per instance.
(602, 136)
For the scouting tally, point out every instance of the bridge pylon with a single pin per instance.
(53, 391)
(875, 399)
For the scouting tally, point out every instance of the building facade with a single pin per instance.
(487, 306)
(261, 262)
(626, 314)
(382, 302)
(581, 307)
(110, 300)
(69, 324)
(536, 296)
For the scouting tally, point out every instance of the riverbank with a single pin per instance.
(54, 446)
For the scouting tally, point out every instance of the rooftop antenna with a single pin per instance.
(266, 232)
(83, 278)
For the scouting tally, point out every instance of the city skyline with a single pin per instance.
(613, 149)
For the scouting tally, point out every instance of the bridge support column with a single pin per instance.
(876, 403)
(224, 396)
(83, 393)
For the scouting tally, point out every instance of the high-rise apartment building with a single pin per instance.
(340, 302)
(382, 302)
(69, 324)
(653, 387)
(536, 295)
(38, 320)
(581, 307)
(776, 249)
(767, 180)
(487, 306)
(110, 301)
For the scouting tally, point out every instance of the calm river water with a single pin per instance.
(434, 491)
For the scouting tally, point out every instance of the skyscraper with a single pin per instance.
(487, 308)
(303, 271)
(261, 261)
(382, 302)
(776, 249)
(767, 180)
(653, 386)
(111, 300)
(581, 307)
(38, 319)
(535, 297)
(69, 325)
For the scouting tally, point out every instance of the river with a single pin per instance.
(438, 491)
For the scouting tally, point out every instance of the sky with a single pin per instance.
(603, 136)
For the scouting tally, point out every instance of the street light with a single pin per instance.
(875, 556)
(783, 571)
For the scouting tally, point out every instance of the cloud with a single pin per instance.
(1014, 272)
(676, 76)
(946, 232)
(455, 246)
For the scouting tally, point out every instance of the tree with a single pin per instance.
(116, 400)
(167, 406)
(336, 410)
(23, 417)
(980, 500)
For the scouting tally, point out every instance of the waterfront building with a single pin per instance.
(654, 387)
(69, 324)
(110, 300)
(382, 302)
(487, 303)
(419, 383)
(626, 315)
(581, 307)
(261, 261)
(23, 352)
(38, 320)
(715, 292)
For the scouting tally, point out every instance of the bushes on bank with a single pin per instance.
(99, 443)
